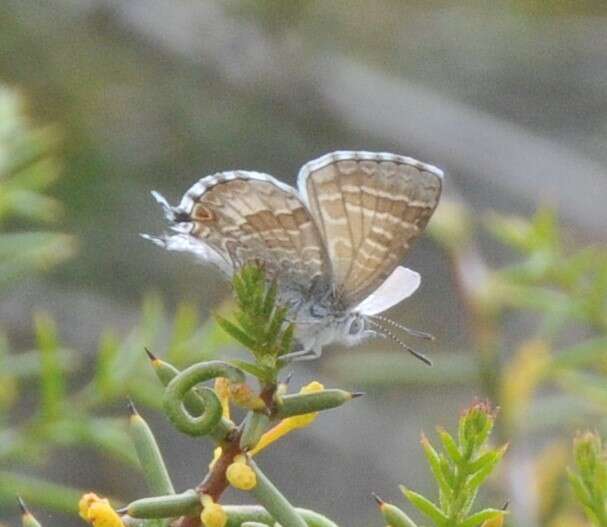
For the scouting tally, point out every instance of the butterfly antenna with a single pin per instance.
(391, 335)
(413, 332)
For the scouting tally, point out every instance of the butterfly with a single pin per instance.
(333, 246)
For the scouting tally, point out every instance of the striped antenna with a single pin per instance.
(388, 333)
(413, 332)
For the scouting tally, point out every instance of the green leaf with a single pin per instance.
(270, 299)
(235, 332)
(477, 479)
(287, 340)
(150, 458)
(275, 326)
(425, 506)
(38, 492)
(579, 488)
(435, 465)
(449, 445)
(263, 374)
(52, 381)
(395, 517)
(106, 359)
(487, 458)
(482, 516)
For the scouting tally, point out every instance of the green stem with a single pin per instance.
(239, 514)
(274, 502)
(298, 404)
(185, 504)
(149, 455)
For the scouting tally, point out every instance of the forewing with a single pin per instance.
(233, 218)
(369, 208)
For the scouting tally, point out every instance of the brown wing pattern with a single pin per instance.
(247, 216)
(369, 208)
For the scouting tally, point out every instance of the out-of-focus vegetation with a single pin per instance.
(589, 478)
(76, 399)
(551, 378)
(460, 469)
(28, 167)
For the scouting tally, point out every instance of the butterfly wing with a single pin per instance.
(401, 284)
(369, 209)
(232, 218)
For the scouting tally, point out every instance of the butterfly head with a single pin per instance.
(326, 326)
(355, 328)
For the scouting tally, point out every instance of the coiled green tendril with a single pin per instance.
(179, 386)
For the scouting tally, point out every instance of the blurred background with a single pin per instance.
(102, 101)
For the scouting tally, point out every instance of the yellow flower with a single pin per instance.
(243, 395)
(101, 514)
(213, 514)
(290, 423)
(222, 389)
(241, 475)
(85, 502)
(98, 511)
(498, 521)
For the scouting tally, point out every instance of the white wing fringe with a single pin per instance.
(401, 284)
(182, 240)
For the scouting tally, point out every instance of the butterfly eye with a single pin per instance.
(356, 326)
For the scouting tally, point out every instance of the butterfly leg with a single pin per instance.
(303, 354)
(314, 353)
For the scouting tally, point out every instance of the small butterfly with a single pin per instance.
(334, 246)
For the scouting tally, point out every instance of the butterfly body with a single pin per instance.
(333, 246)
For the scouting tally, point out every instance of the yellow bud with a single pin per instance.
(290, 423)
(498, 521)
(213, 514)
(301, 421)
(101, 514)
(240, 475)
(313, 387)
(243, 395)
(222, 389)
(85, 502)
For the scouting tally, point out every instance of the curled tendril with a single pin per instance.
(179, 386)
